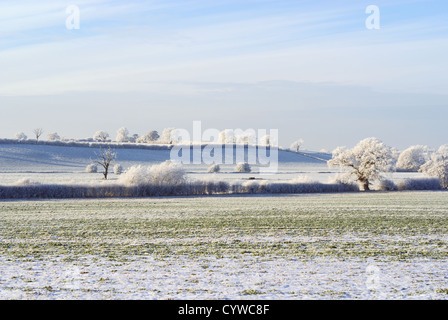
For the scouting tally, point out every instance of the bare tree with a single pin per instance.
(38, 132)
(104, 159)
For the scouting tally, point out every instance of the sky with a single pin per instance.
(311, 69)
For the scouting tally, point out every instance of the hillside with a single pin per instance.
(24, 157)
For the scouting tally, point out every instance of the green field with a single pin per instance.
(398, 225)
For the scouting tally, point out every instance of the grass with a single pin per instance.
(444, 291)
(251, 292)
(398, 225)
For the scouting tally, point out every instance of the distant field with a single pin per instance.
(359, 245)
(66, 164)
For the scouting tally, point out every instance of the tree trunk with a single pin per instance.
(365, 185)
(106, 171)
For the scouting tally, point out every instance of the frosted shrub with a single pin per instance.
(118, 169)
(208, 186)
(290, 186)
(167, 173)
(242, 167)
(307, 187)
(92, 168)
(251, 187)
(214, 168)
(343, 179)
(168, 179)
(134, 176)
(420, 184)
(386, 185)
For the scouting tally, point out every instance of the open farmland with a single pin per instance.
(65, 164)
(335, 246)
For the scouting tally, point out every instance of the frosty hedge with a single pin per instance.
(170, 179)
(165, 179)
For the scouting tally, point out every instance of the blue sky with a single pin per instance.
(310, 69)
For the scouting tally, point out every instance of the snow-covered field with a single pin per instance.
(321, 246)
(212, 278)
(333, 246)
(65, 164)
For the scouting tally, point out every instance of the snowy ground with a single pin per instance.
(62, 165)
(333, 246)
(223, 278)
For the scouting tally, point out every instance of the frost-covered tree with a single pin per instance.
(167, 135)
(101, 136)
(53, 137)
(437, 166)
(150, 137)
(92, 168)
(443, 150)
(295, 146)
(122, 135)
(366, 161)
(265, 140)
(20, 136)
(104, 159)
(413, 158)
(134, 138)
(118, 169)
(226, 136)
(38, 133)
(242, 167)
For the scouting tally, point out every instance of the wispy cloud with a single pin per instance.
(181, 50)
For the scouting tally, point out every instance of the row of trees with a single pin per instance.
(168, 136)
(371, 158)
(38, 132)
(123, 136)
(366, 162)
(103, 136)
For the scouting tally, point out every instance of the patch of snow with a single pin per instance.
(246, 277)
